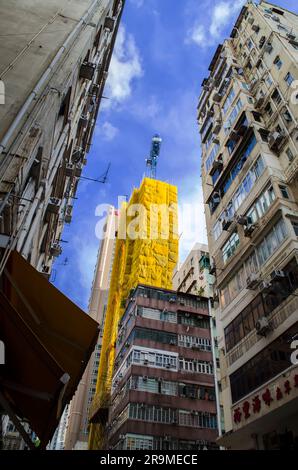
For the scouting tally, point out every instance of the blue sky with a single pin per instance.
(162, 54)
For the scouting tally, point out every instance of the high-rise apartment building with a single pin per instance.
(193, 275)
(54, 59)
(53, 67)
(146, 253)
(59, 438)
(163, 395)
(78, 423)
(247, 116)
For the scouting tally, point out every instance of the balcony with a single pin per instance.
(276, 318)
(292, 171)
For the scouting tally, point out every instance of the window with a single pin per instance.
(193, 365)
(287, 116)
(289, 78)
(240, 194)
(295, 227)
(230, 247)
(268, 80)
(268, 109)
(228, 101)
(267, 364)
(245, 153)
(254, 262)
(264, 134)
(212, 156)
(289, 154)
(278, 62)
(233, 116)
(284, 192)
(276, 97)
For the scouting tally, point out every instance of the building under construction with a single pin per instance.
(146, 256)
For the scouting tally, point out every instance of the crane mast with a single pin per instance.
(151, 162)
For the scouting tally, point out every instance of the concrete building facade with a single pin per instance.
(53, 67)
(247, 115)
(78, 423)
(193, 275)
(163, 395)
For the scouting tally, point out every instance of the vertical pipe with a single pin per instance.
(218, 411)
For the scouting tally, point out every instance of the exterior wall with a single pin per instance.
(53, 81)
(147, 257)
(59, 438)
(77, 431)
(266, 191)
(185, 396)
(192, 276)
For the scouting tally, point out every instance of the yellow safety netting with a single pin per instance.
(148, 256)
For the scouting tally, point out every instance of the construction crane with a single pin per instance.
(151, 162)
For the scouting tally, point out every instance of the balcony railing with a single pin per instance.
(276, 318)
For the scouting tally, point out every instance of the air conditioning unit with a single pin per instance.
(87, 70)
(263, 326)
(68, 214)
(78, 170)
(255, 28)
(217, 97)
(217, 165)
(83, 121)
(268, 47)
(54, 205)
(226, 222)
(291, 36)
(265, 286)
(69, 169)
(252, 281)
(262, 41)
(249, 229)
(55, 249)
(259, 102)
(234, 136)
(277, 275)
(109, 23)
(212, 269)
(217, 126)
(275, 140)
(77, 155)
(215, 140)
(243, 220)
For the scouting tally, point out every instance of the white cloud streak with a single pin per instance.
(125, 67)
(207, 35)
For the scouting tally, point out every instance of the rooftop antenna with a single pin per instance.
(151, 162)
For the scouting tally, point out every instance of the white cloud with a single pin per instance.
(137, 3)
(221, 14)
(107, 131)
(125, 67)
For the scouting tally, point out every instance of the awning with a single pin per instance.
(48, 342)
